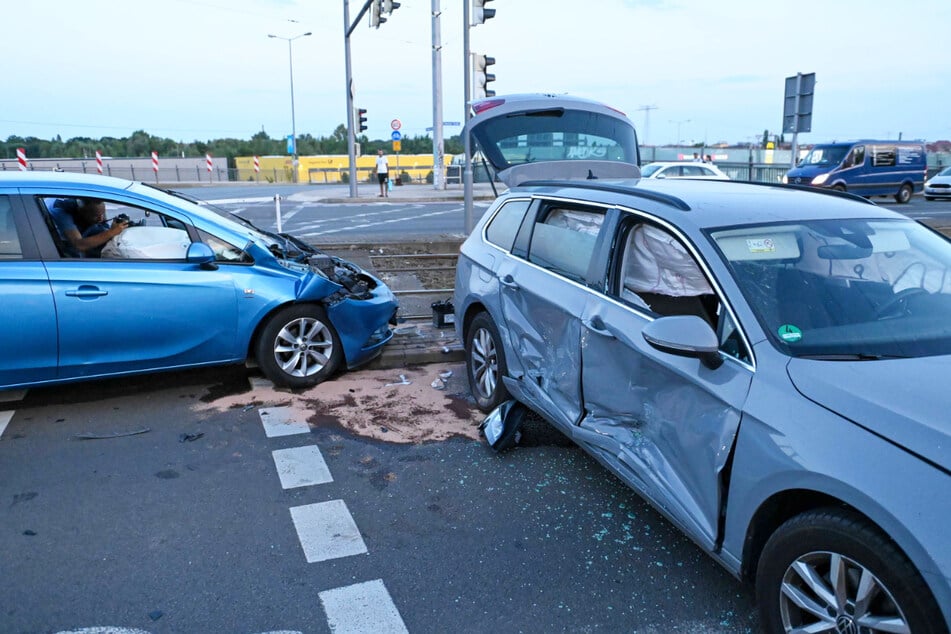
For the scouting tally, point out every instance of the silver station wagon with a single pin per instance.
(766, 365)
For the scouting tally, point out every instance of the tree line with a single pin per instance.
(141, 144)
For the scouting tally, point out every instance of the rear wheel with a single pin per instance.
(830, 571)
(839, 188)
(904, 194)
(299, 347)
(485, 363)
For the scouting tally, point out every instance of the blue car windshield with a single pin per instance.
(847, 288)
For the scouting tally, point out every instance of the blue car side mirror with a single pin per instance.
(201, 253)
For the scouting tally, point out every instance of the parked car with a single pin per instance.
(180, 286)
(939, 185)
(683, 169)
(867, 168)
(764, 364)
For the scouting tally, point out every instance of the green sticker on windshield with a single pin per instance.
(789, 333)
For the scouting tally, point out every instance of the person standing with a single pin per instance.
(382, 173)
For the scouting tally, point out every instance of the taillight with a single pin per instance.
(486, 104)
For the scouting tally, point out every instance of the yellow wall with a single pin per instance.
(327, 168)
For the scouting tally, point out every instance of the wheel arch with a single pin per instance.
(251, 343)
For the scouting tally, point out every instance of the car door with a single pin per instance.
(28, 318)
(667, 423)
(118, 314)
(543, 294)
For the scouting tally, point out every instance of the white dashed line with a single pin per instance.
(327, 531)
(5, 418)
(301, 467)
(360, 608)
(280, 421)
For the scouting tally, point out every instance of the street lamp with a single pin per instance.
(290, 59)
(679, 123)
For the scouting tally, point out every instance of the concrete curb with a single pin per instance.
(418, 342)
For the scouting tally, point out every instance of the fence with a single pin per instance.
(738, 171)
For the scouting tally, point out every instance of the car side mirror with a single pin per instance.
(685, 336)
(201, 254)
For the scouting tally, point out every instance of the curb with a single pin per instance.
(418, 342)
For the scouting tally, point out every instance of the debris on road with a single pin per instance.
(120, 434)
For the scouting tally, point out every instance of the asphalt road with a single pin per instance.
(320, 215)
(151, 532)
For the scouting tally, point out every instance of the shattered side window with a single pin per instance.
(504, 226)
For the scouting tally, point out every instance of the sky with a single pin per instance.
(683, 70)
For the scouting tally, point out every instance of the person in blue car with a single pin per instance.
(82, 224)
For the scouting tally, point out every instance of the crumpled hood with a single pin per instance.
(907, 401)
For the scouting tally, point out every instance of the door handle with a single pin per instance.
(509, 282)
(596, 325)
(86, 292)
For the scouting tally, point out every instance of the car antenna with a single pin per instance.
(591, 176)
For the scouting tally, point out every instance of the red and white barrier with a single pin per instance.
(99, 161)
(155, 162)
(257, 165)
(21, 158)
(208, 162)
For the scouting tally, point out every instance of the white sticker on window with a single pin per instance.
(760, 245)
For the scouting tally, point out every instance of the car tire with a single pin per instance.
(299, 347)
(839, 188)
(485, 363)
(802, 554)
(904, 194)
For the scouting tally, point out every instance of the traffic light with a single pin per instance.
(376, 14)
(389, 6)
(480, 14)
(361, 119)
(482, 76)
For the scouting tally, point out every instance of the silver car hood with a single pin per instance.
(906, 401)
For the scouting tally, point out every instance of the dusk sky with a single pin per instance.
(710, 71)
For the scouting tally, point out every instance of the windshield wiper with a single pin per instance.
(852, 356)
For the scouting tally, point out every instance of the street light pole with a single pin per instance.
(290, 59)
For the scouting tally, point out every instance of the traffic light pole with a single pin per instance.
(467, 142)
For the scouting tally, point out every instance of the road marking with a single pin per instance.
(326, 530)
(302, 230)
(240, 201)
(360, 608)
(5, 418)
(281, 421)
(301, 467)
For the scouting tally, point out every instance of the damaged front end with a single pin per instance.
(361, 307)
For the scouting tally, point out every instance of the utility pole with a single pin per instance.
(647, 111)
(439, 181)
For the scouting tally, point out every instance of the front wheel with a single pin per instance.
(485, 363)
(904, 194)
(830, 571)
(298, 347)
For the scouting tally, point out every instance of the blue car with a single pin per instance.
(103, 277)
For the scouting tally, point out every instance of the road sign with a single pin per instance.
(397, 146)
(797, 103)
(396, 136)
(395, 124)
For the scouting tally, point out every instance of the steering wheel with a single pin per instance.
(901, 297)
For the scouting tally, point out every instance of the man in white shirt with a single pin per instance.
(382, 173)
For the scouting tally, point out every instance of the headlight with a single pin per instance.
(927, 183)
(820, 179)
(785, 180)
